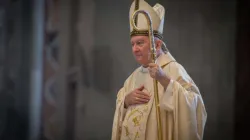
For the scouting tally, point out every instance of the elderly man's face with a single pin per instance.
(141, 49)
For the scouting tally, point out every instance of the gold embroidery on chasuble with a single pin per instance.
(135, 121)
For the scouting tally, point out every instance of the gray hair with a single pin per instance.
(163, 47)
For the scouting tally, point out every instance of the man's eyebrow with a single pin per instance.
(140, 40)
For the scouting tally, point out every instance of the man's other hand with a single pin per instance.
(137, 96)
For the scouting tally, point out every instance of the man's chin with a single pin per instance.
(140, 62)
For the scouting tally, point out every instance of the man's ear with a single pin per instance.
(158, 44)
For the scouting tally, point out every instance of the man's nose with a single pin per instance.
(135, 48)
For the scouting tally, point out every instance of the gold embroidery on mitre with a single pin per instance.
(145, 33)
(157, 14)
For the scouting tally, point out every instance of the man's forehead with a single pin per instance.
(138, 38)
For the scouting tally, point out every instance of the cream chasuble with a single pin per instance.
(182, 108)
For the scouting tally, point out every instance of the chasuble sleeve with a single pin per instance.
(120, 110)
(118, 116)
(183, 99)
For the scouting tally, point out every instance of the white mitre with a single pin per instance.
(156, 13)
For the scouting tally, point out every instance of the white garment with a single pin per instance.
(182, 109)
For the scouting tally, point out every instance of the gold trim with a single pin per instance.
(185, 84)
(167, 64)
(145, 33)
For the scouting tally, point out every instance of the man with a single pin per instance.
(182, 109)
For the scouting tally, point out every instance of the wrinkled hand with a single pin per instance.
(156, 71)
(137, 96)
